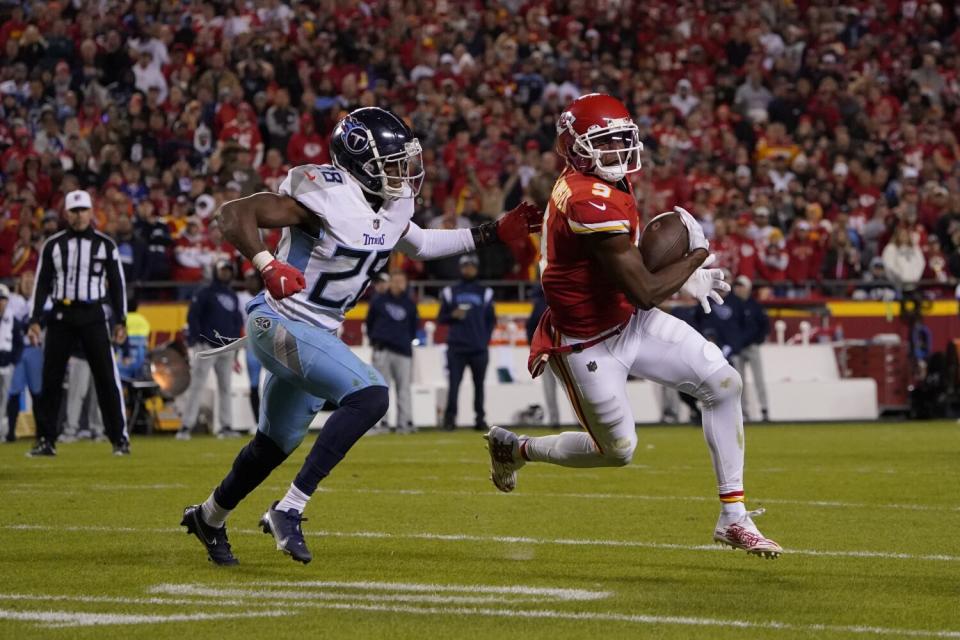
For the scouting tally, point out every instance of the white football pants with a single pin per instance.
(656, 346)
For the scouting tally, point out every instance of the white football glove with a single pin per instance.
(694, 230)
(705, 284)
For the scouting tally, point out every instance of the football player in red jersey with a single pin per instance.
(602, 323)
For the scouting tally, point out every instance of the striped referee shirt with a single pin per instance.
(80, 267)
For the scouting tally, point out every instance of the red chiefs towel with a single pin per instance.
(545, 344)
(541, 346)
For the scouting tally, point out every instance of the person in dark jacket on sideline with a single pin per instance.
(132, 249)
(214, 319)
(392, 322)
(467, 307)
(754, 328)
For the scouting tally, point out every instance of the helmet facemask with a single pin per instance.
(400, 174)
(614, 150)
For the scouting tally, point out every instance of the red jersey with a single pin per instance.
(583, 299)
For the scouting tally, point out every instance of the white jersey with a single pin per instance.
(354, 243)
(19, 307)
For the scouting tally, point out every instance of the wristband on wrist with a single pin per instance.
(261, 260)
(485, 234)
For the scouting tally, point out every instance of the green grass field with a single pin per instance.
(410, 540)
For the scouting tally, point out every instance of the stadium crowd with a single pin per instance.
(815, 142)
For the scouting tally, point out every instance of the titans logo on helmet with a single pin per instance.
(354, 137)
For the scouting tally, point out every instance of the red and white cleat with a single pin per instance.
(743, 534)
(505, 458)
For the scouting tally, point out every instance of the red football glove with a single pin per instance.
(282, 280)
(516, 225)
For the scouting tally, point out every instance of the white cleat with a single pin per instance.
(505, 459)
(743, 534)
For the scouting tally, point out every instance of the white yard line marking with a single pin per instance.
(18, 488)
(104, 487)
(459, 537)
(259, 598)
(78, 619)
(649, 619)
(301, 598)
(657, 498)
(46, 597)
(73, 619)
(415, 587)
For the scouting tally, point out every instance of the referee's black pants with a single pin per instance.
(87, 325)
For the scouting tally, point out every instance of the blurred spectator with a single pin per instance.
(392, 324)
(28, 368)
(282, 120)
(752, 98)
(25, 253)
(307, 145)
(191, 253)
(214, 318)
(841, 262)
(467, 307)
(133, 250)
(12, 330)
(755, 327)
(683, 99)
(156, 234)
(903, 258)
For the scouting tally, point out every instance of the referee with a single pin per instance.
(80, 271)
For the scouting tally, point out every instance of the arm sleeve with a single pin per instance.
(430, 244)
(446, 306)
(598, 215)
(43, 283)
(118, 287)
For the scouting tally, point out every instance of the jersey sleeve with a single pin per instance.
(596, 215)
(312, 185)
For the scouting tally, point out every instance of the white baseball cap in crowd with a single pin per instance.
(4, 292)
(78, 200)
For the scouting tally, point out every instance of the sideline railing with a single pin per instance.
(780, 292)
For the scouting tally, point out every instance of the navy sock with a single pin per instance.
(358, 413)
(253, 464)
(13, 411)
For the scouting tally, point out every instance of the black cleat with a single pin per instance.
(122, 448)
(41, 449)
(285, 529)
(215, 540)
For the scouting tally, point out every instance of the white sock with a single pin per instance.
(213, 514)
(295, 499)
(733, 510)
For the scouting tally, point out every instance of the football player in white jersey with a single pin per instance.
(340, 224)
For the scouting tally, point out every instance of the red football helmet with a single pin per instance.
(597, 135)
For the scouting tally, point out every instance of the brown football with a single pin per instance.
(663, 241)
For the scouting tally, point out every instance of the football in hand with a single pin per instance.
(663, 241)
